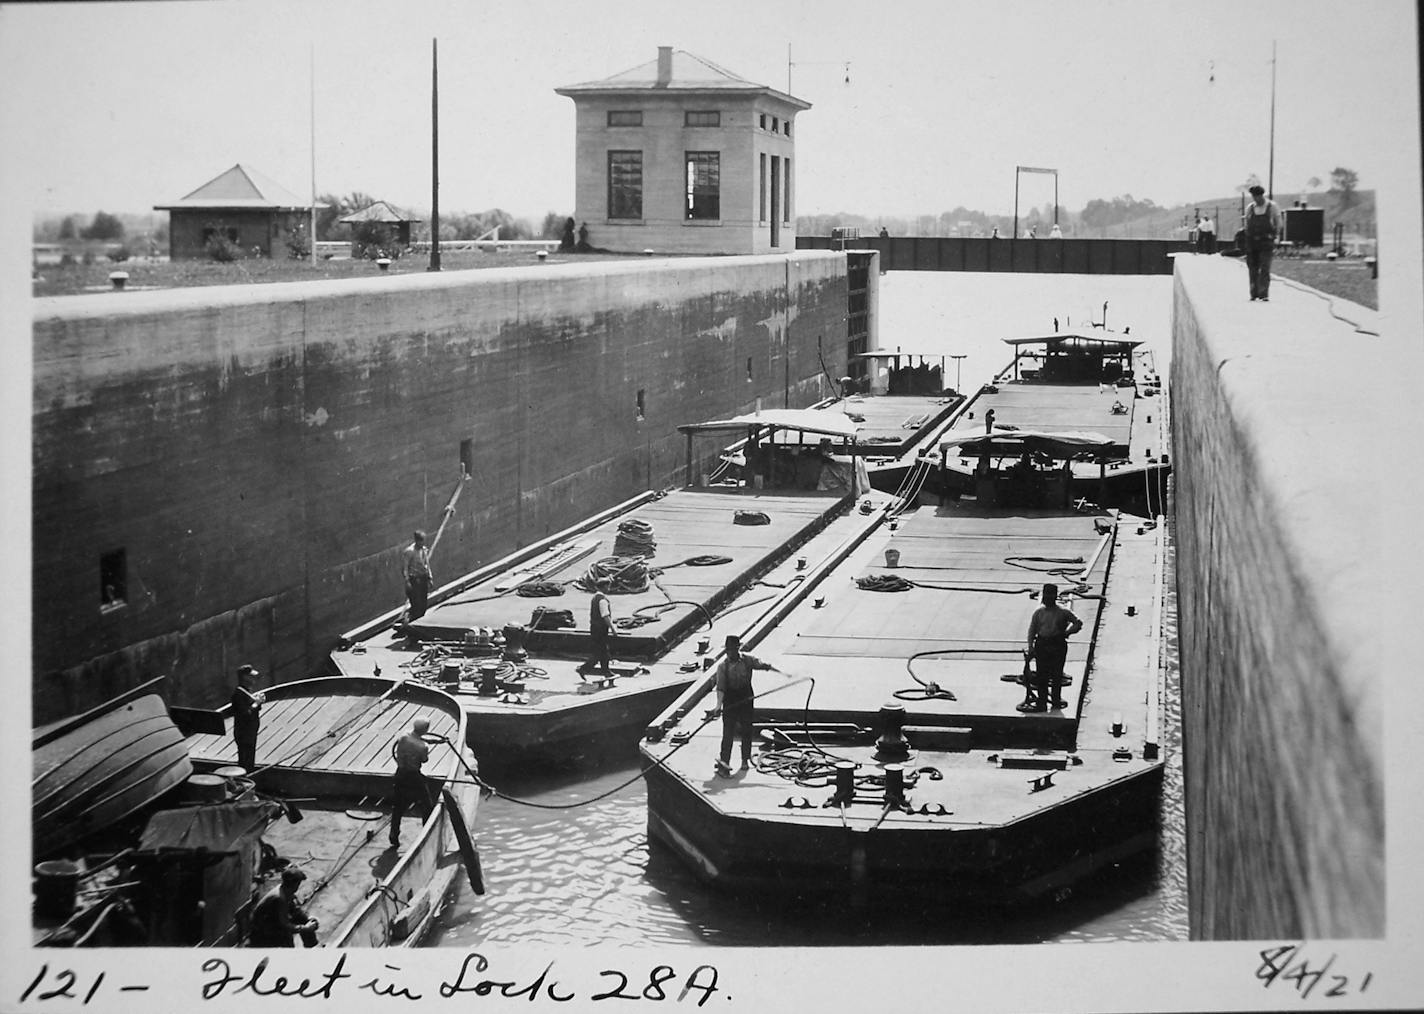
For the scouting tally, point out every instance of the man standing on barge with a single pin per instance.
(246, 704)
(1048, 633)
(410, 788)
(418, 579)
(735, 699)
(600, 629)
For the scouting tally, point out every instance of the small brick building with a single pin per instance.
(252, 211)
(678, 155)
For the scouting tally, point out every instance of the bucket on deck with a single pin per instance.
(56, 887)
(892, 558)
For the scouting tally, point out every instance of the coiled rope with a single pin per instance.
(635, 538)
(625, 575)
(640, 617)
(750, 518)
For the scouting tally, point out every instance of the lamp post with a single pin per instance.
(958, 364)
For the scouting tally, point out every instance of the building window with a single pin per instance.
(786, 205)
(762, 121)
(701, 118)
(642, 404)
(761, 203)
(704, 185)
(775, 124)
(113, 580)
(625, 184)
(625, 117)
(749, 369)
(786, 128)
(467, 457)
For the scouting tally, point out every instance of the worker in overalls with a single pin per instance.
(1263, 225)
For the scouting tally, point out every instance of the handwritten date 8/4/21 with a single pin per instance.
(1285, 964)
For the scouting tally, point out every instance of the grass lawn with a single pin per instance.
(79, 279)
(1348, 279)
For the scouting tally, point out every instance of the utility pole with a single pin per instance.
(1271, 168)
(434, 155)
(311, 68)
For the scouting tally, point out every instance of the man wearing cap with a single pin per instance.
(733, 681)
(1048, 633)
(277, 915)
(246, 704)
(409, 788)
(1263, 225)
(415, 565)
(600, 628)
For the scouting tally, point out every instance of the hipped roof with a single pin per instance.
(240, 187)
(381, 211)
(690, 73)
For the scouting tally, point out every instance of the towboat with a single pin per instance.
(1093, 381)
(512, 641)
(193, 872)
(891, 755)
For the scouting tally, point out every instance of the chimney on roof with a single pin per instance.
(664, 66)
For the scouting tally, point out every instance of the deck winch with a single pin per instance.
(892, 745)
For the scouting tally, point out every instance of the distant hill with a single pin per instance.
(1358, 218)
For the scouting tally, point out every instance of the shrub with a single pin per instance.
(120, 254)
(373, 240)
(298, 246)
(222, 249)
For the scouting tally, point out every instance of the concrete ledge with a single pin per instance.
(1280, 470)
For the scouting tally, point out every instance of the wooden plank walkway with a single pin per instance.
(298, 732)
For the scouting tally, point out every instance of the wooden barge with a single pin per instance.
(192, 871)
(891, 755)
(511, 641)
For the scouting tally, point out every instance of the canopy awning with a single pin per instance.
(898, 353)
(1006, 442)
(1099, 340)
(804, 420)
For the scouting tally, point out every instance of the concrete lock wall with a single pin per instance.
(1278, 515)
(257, 456)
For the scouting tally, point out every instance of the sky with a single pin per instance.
(125, 105)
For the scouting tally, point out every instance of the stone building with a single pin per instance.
(678, 155)
(256, 214)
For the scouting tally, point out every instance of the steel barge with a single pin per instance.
(891, 753)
